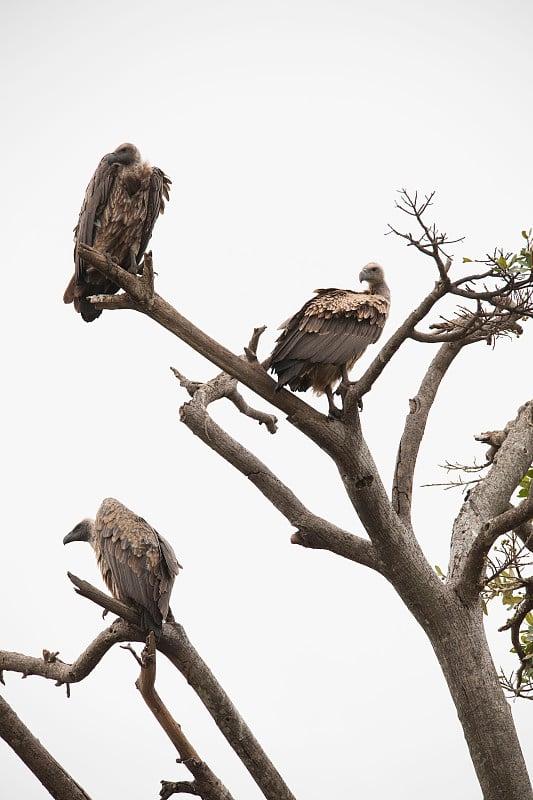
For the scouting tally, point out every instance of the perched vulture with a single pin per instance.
(121, 204)
(320, 344)
(137, 564)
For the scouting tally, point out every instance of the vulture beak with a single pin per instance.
(363, 275)
(71, 537)
(112, 158)
(81, 533)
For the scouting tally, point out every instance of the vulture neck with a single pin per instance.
(380, 288)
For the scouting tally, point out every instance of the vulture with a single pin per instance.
(117, 217)
(137, 564)
(320, 344)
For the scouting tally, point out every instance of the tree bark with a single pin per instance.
(458, 638)
(29, 749)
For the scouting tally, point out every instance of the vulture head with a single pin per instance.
(83, 532)
(374, 275)
(125, 154)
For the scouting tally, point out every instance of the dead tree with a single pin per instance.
(494, 301)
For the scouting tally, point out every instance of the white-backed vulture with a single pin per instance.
(137, 564)
(320, 344)
(117, 217)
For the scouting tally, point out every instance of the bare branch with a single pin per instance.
(226, 386)
(206, 784)
(431, 241)
(29, 749)
(509, 520)
(57, 670)
(511, 295)
(145, 683)
(140, 288)
(485, 513)
(168, 788)
(313, 531)
(112, 302)
(105, 601)
(268, 420)
(251, 374)
(415, 425)
(179, 650)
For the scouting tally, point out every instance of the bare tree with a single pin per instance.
(490, 539)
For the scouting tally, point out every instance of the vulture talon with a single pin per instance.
(122, 202)
(333, 411)
(111, 262)
(134, 268)
(320, 344)
(343, 387)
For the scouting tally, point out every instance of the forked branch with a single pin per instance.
(205, 784)
(415, 425)
(312, 531)
(179, 650)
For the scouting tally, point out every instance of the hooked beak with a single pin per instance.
(71, 537)
(77, 534)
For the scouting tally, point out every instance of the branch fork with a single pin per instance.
(139, 289)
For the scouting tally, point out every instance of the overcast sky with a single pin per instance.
(287, 128)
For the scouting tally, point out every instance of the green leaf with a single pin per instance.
(467, 260)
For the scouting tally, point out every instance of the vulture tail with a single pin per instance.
(68, 297)
(88, 312)
(287, 371)
(148, 623)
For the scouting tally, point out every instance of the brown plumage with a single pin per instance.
(121, 204)
(137, 564)
(320, 344)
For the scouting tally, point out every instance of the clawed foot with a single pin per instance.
(344, 386)
(134, 268)
(334, 412)
(111, 262)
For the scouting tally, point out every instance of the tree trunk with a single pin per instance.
(458, 638)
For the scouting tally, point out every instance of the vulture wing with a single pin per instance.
(333, 328)
(137, 564)
(158, 192)
(95, 200)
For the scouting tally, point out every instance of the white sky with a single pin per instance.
(287, 128)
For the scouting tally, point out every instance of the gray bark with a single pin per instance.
(29, 749)
(458, 638)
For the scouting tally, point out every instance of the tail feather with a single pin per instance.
(288, 371)
(68, 297)
(88, 312)
(148, 623)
